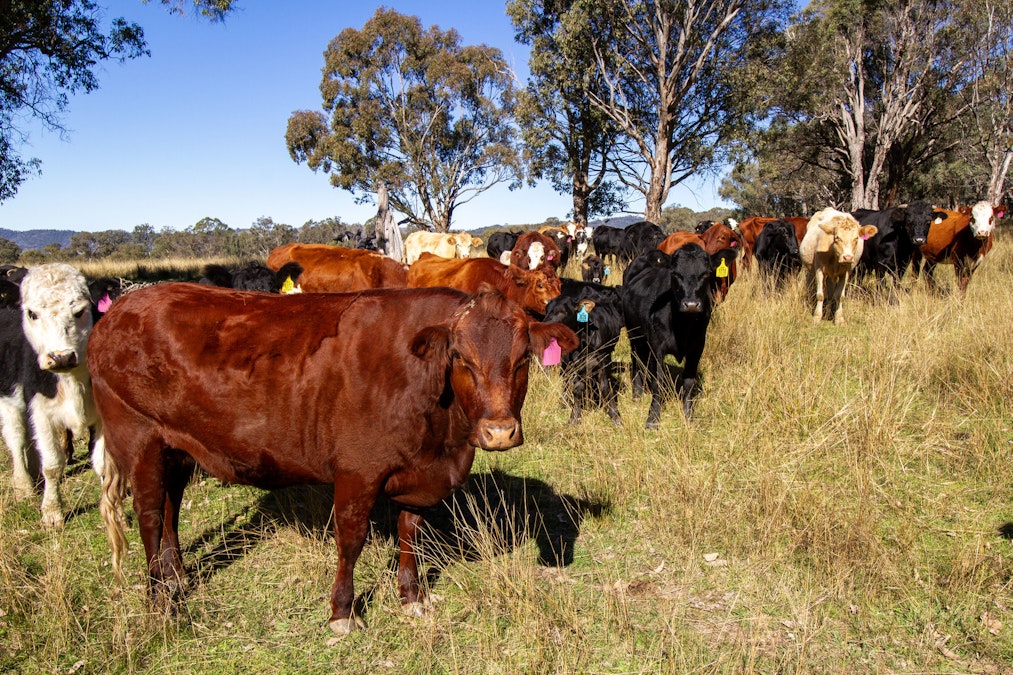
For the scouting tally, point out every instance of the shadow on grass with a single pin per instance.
(1006, 530)
(492, 514)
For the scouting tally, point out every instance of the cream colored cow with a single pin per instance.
(830, 249)
(443, 244)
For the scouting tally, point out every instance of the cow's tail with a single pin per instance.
(114, 491)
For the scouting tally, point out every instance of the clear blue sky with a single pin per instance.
(198, 128)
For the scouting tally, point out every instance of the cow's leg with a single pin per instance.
(688, 378)
(655, 369)
(639, 355)
(179, 469)
(412, 602)
(578, 392)
(608, 391)
(818, 283)
(49, 441)
(353, 501)
(837, 287)
(930, 277)
(963, 267)
(15, 434)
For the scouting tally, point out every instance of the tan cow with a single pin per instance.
(443, 244)
(830, 249)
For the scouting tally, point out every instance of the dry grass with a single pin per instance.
(841, 502)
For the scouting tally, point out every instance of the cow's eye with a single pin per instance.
(79, 313)
(33, 316)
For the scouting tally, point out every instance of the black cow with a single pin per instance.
(776, 252)
(595, 313)
(500, 243)
(252, 276)
(900, 231)
(608, 241)
(640, 238)
(593, 269)
(667, 305)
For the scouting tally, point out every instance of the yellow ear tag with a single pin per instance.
(722, 270)
(288, 286)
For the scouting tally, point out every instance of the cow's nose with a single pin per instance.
(62, 360)
(847, 258)
(919, 240)
(499, 434)
(691, 306)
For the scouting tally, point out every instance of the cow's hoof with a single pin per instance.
(653, 424)
(343, 627)
(52, 520)
(414, 609)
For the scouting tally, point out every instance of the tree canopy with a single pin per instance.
(415, 110)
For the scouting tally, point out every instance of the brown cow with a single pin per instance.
(961, 238)
(333, 269)
(385, 391)
(750, 228)
(716, 237)
(532, 289)
(535, 250)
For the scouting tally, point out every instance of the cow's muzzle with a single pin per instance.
(919, 241)
(499, 434)
(60, 361)
(691, 306)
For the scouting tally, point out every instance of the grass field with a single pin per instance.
(841, 502)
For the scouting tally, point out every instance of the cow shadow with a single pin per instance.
(493, 514)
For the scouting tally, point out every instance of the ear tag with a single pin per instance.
(582, 315)
(1000, 214)
(104, 304)
(607, 271)
(865, 237)
(722, 270)
(288, 286)
(552, 354)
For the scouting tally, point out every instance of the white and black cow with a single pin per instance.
(667, 305)
(595, 313)
(45, 389)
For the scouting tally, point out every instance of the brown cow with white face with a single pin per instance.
(383, 391)
(830, 249)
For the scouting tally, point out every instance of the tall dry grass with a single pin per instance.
(841, 501)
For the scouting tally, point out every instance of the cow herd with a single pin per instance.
(346, 367)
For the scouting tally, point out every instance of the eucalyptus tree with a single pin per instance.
(676, 82)
(415, 110)
(567, 139)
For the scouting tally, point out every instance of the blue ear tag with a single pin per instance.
(607, 271)
(582, 315)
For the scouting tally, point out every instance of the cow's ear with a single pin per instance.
(898, 215)
(431, 343)
(541, 335)
(475, 241)
(939, 216)
(866, 231)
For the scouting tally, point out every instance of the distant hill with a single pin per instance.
(36, 239)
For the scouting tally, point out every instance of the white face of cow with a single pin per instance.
(536, 252)
(56, 316)
(462, 243)
(982, 220)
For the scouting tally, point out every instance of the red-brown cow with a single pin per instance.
(750, 228)
(961, 239)
(333, 269)
(717, 237)
(385, 391)
(532, 289)
(535, 250)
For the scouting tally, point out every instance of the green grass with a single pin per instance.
(841, 502)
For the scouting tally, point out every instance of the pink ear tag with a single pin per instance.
(865, 237)
(552, 354)
(104, 304)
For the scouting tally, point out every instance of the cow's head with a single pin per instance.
(916, 218)
(592, 268)
(720, 236)
(485, 351)
(848, 236)
(982, 220)
(56, 315)
(463, 243)
(536, 287)
(693, 276)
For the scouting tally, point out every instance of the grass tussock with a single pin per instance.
(841, 501)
